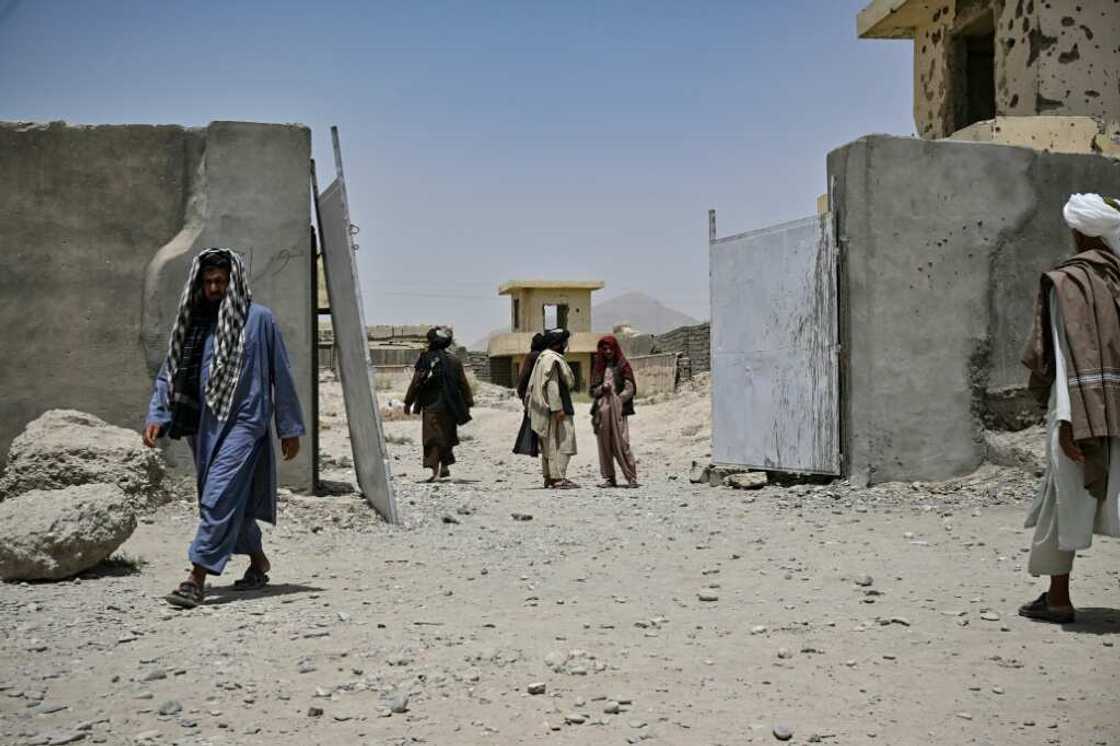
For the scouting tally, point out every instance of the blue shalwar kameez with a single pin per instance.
(234, 460)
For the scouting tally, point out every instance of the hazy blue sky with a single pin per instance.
(485, 141)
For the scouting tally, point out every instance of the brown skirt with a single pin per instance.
(439, 434)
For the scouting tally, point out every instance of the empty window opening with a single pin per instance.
(516, 314)
(555, 316)
(976, 76)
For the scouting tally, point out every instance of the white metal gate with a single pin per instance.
(363, 415)
(775, 348)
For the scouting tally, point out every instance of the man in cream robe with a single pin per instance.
(1080, 491)
(551, 414)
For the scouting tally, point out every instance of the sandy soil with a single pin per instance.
(845, 615)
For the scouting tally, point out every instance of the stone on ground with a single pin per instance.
(54, 534)
(751, 480)
(698, 474)
(66, 448)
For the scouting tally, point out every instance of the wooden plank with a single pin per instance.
(367, 440)
(775, 348)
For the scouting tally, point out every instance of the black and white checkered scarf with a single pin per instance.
(229, 343)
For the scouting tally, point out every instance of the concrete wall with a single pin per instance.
(655, 374)
(518, 343)
(97, 228)
(1052, 58)
(504, 368)
(942, 245)
(1056, 134)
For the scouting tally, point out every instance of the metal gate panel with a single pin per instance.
(775, 348)
(363, 416)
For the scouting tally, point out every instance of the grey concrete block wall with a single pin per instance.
(479, 362)
(942, 244)
(694, 342)
(97, 228)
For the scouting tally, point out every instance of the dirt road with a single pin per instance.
(673, 614)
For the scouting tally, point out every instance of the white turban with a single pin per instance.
(1091, 215)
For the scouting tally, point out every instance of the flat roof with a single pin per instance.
(893, 19)
(508, 287)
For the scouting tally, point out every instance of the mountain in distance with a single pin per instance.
(643, 313)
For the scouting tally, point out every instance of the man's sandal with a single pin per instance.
(565, 484)
(1042, 611)
(187, 596)
(251, 580)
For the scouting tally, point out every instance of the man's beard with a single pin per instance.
(208, 309)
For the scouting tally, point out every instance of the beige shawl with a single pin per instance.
(540, 409)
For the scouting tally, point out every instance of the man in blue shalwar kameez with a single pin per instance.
(226, 377)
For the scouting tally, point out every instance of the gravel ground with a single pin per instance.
(503, 613)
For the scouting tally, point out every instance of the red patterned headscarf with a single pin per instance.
(599, 364)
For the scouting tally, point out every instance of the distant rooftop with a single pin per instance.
(512, 285)
(893, 19)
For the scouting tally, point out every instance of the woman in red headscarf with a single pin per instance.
(613, 388)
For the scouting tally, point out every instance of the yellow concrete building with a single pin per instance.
(536, 305)
(1044, 75)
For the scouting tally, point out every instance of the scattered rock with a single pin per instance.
(54, 534)
(612, 708)
(522, 516)
(751, 480)
(556, 660)
(537, 688)
(169, 708)
(707, 596)
(397, 703)
(314, 711)
(864, 581)
(989, 616)
(783, 732)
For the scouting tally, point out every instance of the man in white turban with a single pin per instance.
(1074, 357)
(1094, 216)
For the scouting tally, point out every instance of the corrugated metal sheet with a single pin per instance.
(775, 348)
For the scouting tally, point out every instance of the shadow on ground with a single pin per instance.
(227, 595)
(1095, 621)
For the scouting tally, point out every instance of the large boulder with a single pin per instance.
(65, 447)
(53, 534)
